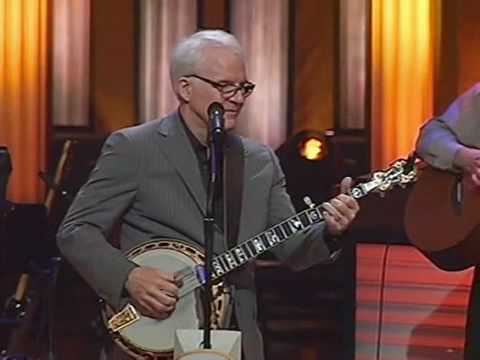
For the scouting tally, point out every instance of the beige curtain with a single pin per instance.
(403, 51)
(23, 93)
(262, 28)
(71, 62)
(352, 66)
(162, 24)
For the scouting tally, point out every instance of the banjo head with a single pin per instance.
(155, 338)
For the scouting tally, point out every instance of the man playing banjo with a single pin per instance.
(151, 179)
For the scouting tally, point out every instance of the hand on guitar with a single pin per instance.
(341, 210)
(468, 159)
(155, 293)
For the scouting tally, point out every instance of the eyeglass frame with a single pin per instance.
(219, 86)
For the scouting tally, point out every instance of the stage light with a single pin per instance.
(314, 162)
(313, 148)
(306, 163)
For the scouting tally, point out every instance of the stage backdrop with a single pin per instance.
(23, 93)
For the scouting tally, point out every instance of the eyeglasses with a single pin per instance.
(229, 89)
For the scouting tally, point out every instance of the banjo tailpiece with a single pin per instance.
(127, 316)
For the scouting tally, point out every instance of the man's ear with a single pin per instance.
(184, 89)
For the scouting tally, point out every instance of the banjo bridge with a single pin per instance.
(201, 274)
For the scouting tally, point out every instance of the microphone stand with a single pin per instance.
(215, 148)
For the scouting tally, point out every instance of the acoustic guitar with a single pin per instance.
(442, 219)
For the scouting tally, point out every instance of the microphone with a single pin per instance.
(216, 121)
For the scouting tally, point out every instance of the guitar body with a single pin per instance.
(442, 219)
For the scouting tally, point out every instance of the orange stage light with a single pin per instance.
(313, 148)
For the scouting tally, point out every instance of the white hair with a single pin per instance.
(189, 52)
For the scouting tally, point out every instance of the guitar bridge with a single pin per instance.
(126, 317)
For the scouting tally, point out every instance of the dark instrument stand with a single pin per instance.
(5, 208)
(43, 268)
(47, 321)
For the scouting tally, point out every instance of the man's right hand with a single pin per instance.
(468, 159)
(154, 292)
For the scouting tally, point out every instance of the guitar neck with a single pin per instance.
(248, 250)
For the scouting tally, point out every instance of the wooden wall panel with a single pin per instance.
(70, 66)
(315, 58)
(459, 57)
(445, 88)
(113, 64)
(469, 43)
(213, 14)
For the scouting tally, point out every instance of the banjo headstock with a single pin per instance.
(400, 173)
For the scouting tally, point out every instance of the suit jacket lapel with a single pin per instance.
(177, 148)
(233, 180)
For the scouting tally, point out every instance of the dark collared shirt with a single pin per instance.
(201, 152)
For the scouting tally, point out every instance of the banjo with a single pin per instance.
(142, 337)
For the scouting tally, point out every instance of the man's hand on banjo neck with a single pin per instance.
(154, 293)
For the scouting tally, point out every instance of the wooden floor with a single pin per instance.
(406, 307)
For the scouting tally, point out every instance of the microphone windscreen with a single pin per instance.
(215, 109)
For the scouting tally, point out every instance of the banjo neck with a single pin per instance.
(248, 250)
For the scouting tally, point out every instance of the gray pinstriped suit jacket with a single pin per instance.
(148, 178)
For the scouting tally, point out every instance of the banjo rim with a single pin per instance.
(193, 252)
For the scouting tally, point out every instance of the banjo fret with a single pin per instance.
(280, 233)
(232, 262)
(246, 249)
(287, 229)
(258, 245)
(272, 238)
(240, 255)
(226, 262)
(251, 248)
(218, 269)
(304, 219)
(295, 224)
(314, 215)
(264, 239)
(223, 262)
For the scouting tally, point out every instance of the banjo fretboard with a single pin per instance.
(251, 248)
